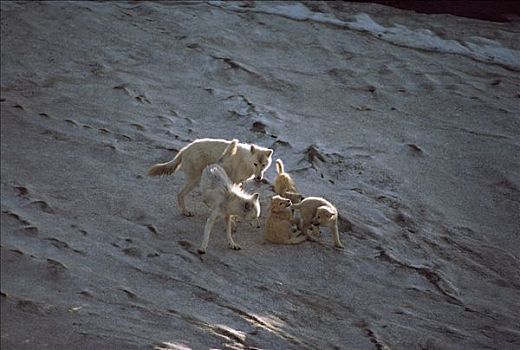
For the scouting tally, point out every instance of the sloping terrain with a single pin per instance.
(409, 123)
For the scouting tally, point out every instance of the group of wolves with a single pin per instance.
(221, 167)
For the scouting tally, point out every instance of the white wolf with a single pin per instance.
(247, 162)
(225, 199)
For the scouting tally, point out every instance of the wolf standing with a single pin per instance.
(249, 161)
(225, 199)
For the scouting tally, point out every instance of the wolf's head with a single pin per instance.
(244, 205)
(260, 159)
(279, 204)
(324, 215)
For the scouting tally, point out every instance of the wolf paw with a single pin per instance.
(201, 251)
(187, 213)
(312, 238)
(339, 245)
(234, 246)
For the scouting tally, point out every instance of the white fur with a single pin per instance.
(196, 156)
(225, 200)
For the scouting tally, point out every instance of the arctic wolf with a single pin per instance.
(225, 199)
(278, 227)
(284, 185)
(249, 161)
(318, 212)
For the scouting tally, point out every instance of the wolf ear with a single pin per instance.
(327, 212)
(269, 152)
(231, 149)
(253, 149)
(255, 196)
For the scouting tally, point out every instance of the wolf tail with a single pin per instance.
(230, 150)
(166, 168)
(279, 166)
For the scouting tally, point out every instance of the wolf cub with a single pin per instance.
(284, 185)
(279, 224)
(317, 211)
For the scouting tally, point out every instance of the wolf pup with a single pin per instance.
(278, 227)
(318, 212)
(284, 185)
(247, 162)
(225, 199)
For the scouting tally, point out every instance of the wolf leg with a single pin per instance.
(207, 230)
(234, 224)
(335, 234)
(310, 232)
(190, 185)
(229, 224)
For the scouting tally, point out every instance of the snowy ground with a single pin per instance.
(409, 123)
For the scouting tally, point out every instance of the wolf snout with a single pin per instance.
(258, 178)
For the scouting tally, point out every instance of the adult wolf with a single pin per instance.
(225, 199)
(249, 161)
